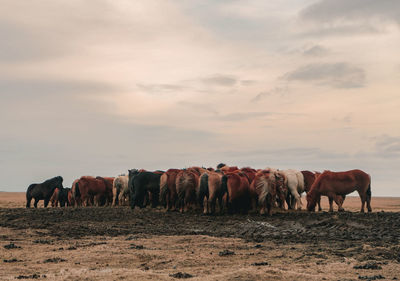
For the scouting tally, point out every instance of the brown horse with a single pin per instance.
(76, 199)
(168, 194)
(227, 169)
(107, 197)
(264, 185)
(335, 185)
(309, 178)
(237, 187)
(186, 184)
(90, 187)
(54, 198)
(210, 189)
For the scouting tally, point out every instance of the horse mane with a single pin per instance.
(53, 180)
(220, 165)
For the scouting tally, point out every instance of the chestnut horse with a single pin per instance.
(267, 185)
(309, 178)
(42, 191)
(90, 187)
(237, 187)
(54, 198)
(186, 182)
(76, 199)
(168, 194)
(335, 185)
(210, 189)
(107, 197)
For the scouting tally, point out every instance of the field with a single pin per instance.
(120, 244)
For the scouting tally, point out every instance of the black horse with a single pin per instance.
(63, 196)
(142, 183)
(42, 191)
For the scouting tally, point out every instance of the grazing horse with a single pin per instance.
(63, 196)
(120, 184)
(76, 199)
(107, 197)
(237, 187)
(294, 181)
(42, 191)
(210, 189)
(227, 169)
(142, 183)
(186, 182)
(265, 187)
(309, 178)
(54, 198)
(336, 185)
(168, 193)
(90, 187)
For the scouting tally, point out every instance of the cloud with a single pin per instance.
(241, 116)
(220, 80)
(25, 88)
(388, 146)
(281, 91)
(316, 51)
(335, 11)
(335, 75)
(160, 88)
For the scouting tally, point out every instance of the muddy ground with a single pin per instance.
(149, 244)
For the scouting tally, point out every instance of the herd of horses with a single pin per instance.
(227, 188)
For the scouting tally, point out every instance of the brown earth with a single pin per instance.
(149, 244)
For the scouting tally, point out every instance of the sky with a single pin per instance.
(100, 87)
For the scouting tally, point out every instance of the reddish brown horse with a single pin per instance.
(237, 187)
(75, 194)
(186, 183)
(90, 187)
(227, 169)
(168, 194)
(309, 178)
(210, 189)
(54, 198)
(105, 199)
(335, 185)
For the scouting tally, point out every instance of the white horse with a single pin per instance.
(294, 181)
(120, 185)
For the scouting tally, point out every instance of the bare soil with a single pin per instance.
(148, 244)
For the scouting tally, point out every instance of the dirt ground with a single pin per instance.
(148, 244)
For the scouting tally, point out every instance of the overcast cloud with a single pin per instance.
(98, 88)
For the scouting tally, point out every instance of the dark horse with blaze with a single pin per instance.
(42, 191)
(336, 185)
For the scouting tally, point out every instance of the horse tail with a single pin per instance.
(262, 185)
(77, 193)
(28, 191)
(224, 186)
(203, 189)
(369, 189)
(163, 188)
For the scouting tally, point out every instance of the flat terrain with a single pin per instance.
(120, 244)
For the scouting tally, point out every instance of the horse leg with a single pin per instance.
(363, 199)
(35, 204)
(46, 202)
(369, 204)
(339, 201)
(297, 198)
(330, 204)
(319, 203)
(28, 201)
